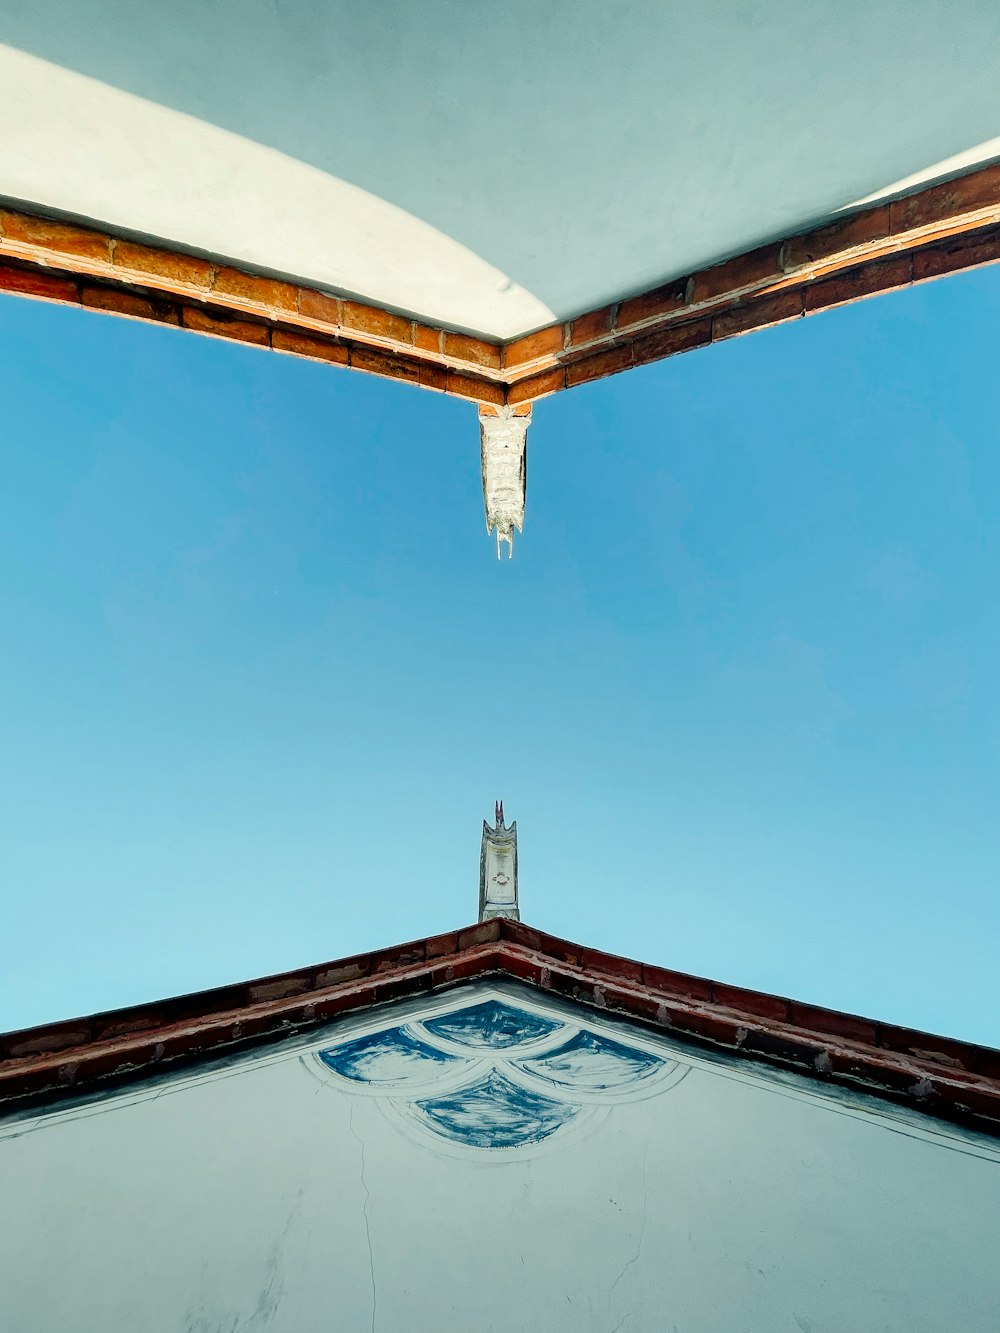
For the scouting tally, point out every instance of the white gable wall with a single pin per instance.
(711, 1196)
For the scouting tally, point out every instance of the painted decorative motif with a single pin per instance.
(494, 1076)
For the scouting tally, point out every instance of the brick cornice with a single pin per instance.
(943, 229)
(938, 1076)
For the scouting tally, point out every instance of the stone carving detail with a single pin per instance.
(503, 434)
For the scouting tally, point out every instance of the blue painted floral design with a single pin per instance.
(528, 1075)
(491, 1024)
(495, 1113)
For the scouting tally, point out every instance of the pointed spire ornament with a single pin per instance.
(503, 433)
(498, 869)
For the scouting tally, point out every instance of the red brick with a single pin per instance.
(343, 1001)
(479, 391)
(827, 243)
(713, 1027)
(55, 238)
(672, 340)
(57, 1037)
(563, 951)
(527, 969)
(305, 344)
(487, 932)
(518, 933)
(320, 307)
(609, 964)
(781, 1046)
(393, 959)
(129, 304)
(595, 367)
(427, 339)
(750, 1002)
(753, 269)
(547, 342)
(473, 351)
(123, 1025)
(537, 386)
(393, 367)
(758, 314)
(222, 325)
(942, 203)
(883, 275)
(594, 326)
(652, 305)
(375, 322)
(439, 945)
(31, 282)
(168, 267)
(278, 988)
(433, 377)
(967, 252)
(267, 294)
(338, 974)
(833, 1023)
(676, 983)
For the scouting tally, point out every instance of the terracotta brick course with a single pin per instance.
(169, 267)
(320, 307)
(473, 351)
(546, 342)
(117, 302)
(977, 191)
(599, 364)
(479, 391)
(221, 325)
(661, 301)
(375, 322)
(764, 312)
(266, 294)
(50, 237)
(881, 276)
(592, 327)
(866, 228)
(36, 282)
(537, 386)
(676, 983)
(305, 344)
(750, 1002)
(671, 340)
(735, 275)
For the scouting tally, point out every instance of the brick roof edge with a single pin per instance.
(938, 1076)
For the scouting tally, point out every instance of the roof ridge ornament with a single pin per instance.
(498, 869)
(503, 434)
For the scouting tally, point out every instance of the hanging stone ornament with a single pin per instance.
(503, 433)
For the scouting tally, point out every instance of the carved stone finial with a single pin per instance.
(503, 433)
(498, 870)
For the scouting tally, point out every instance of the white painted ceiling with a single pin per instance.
(486, 166)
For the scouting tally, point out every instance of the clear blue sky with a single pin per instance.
(262, 675)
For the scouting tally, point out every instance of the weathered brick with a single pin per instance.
(735, 275)
(305, 344)
(487, 932)
(377, 362)
(130, 304)
(57, 1037)
(750, 1002)
(473, 351)
(391, 959)
(267, 294)
(479, 391)
(609, 964)
(433, 377)
(49, 237)
(168, 267)
(279, 988)
(761, 313)
(32, 282)
(221, 325)
(595, 367)
(347, 970)
(979, 190)
(652, 305)
(833, 1023)
(320, 307)
(375, 322)
(676, 983)
(427, 339)
(537, 386)
(547, 342)
(866, 280)
(439, 945)
(591, 327)
(671, 340)
(826, 243)
(966, 252)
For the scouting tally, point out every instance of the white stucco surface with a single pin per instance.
(713, 1197)
(486, 166)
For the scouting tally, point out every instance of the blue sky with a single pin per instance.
(263, 675)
